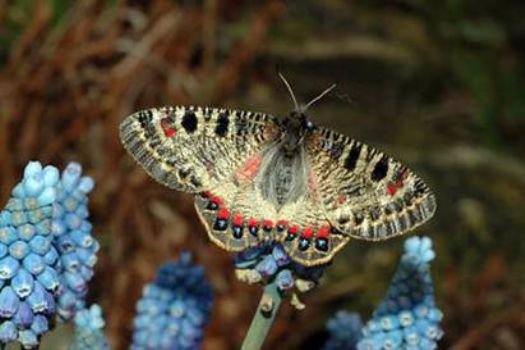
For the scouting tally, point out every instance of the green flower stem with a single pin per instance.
(263, 318)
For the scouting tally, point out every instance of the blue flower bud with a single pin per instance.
(51, 176)
(285, 280)
(7, 235)
(18, 218)
(28, 338)
(51, 257)
(86, 184)
(34, 263)
(40, 245)
(33, 185)
(18, 191)
(19, 250)
(8, 267)
(49, 279)
(74, 282)
(71, 176)
(44, 227)
(280, 256)
(26, 231)
(23, 283)
(8, 332)
(8, 302)
(267, 267)
(47, 196)
(32, 168)
(24, 315)
(38, 300)
(40, 325)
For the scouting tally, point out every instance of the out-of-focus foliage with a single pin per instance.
(438, 84)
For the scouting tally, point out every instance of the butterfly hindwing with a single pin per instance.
(192, 149)
(365, 193)
(236, 215)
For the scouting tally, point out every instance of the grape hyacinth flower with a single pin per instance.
(174, 308)
(269, 263)
(89, 326)
(345, 331)
(407, 318)
(29, 281)
(73, 240)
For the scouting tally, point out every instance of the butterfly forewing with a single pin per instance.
(194, 149)
(214, 152)
(365, 193)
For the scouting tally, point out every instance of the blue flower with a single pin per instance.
(407, 318)
(174, 308)
(29, 281)
(269, 262)
(345, 331)
(89, 326)
(76, 246)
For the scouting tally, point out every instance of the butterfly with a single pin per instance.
(259, 179)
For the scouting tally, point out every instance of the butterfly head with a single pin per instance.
(297, 126)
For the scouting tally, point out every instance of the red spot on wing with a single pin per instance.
(308, 232)
(216, 200)
(323, 232)
(341, 199)
(391, 188)
(250, 168)
(168, 130)
(282, 223)
(267, 224)
(223, 214)
(293, 229)
(252, 222)
(237, 219)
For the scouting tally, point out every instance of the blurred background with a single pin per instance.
(439, 85)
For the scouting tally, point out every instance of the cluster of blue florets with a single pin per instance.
(29, 276)
(174, 308)
(89, 333)
(36, 269)
(407, 318)
(270, 263)
(72, 237)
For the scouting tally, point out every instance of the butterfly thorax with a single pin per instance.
(296, 126)
(284, 171)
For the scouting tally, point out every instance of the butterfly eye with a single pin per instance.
(308, 125)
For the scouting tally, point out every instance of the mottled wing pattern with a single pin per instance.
(193, 149)
(365, 193)
(238, 216)
(310, 239)
(213, 152)
(235, 214)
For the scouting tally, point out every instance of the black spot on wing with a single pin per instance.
(221, 129)
(189, 122)
(353, 156)
(145, 118)
(380, 169)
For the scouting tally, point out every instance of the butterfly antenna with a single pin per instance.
(289, 89)
(321, 95)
